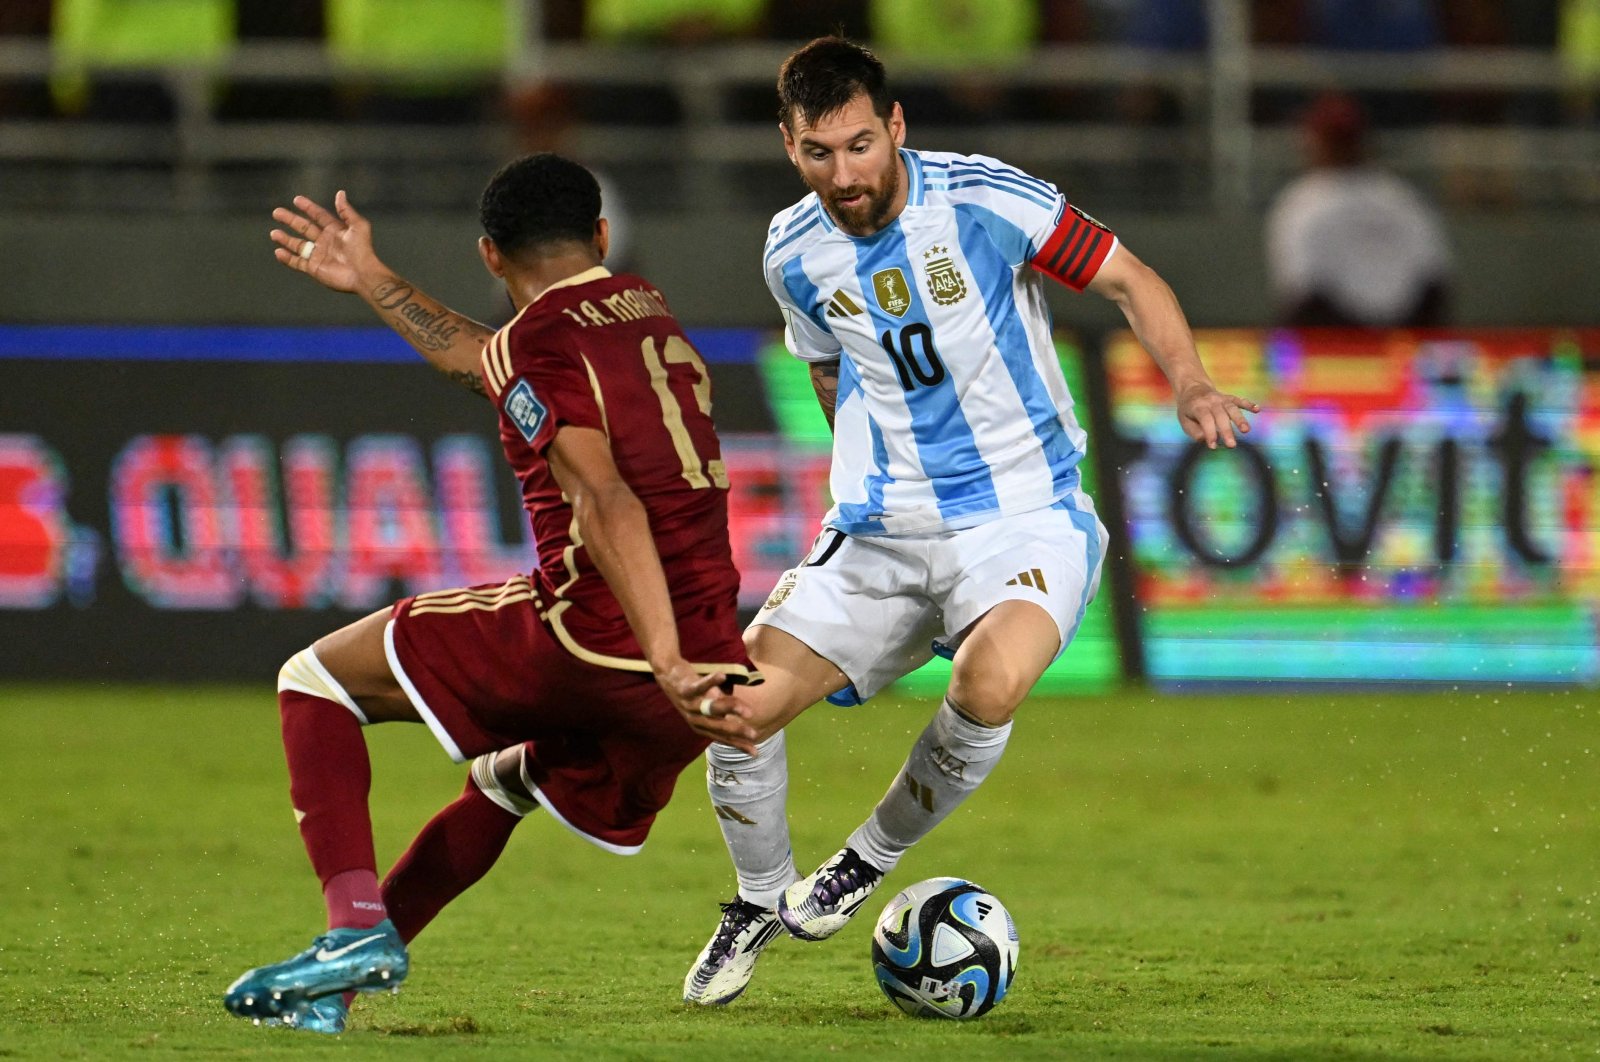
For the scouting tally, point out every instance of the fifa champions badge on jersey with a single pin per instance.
(525, 411)
(945, 282)
(893, 293)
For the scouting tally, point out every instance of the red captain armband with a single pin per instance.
(1074, 251)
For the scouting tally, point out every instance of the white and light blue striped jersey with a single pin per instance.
(951, 408)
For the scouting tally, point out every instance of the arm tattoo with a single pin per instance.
(472, 381)
(825, 382)
(430, 327)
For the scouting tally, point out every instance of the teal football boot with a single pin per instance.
(365, 960)
(325, 1015)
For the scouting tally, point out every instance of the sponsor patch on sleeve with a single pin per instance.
(525, 410)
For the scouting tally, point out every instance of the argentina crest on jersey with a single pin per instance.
(945, 283)
(525, 410)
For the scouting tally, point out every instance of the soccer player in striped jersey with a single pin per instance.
(912, 283)
(567, 688)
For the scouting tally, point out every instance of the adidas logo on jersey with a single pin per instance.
(842, 305)
(1033, 578)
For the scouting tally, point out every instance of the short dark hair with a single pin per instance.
(539, 200)
(827, 74)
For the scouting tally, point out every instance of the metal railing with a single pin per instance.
(1216, 155)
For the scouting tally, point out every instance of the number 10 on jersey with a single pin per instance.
(915, 359)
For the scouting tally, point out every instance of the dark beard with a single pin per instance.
(873, 215)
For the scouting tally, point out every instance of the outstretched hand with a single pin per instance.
(1209, 416)
(708, 710)
(335, 251)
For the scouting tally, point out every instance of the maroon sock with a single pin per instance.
(329, 778)
(354, 900)
(454, 850)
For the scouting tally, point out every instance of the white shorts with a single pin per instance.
(879, 606)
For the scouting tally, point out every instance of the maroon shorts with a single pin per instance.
(485, 673)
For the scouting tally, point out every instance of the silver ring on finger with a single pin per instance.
(705, 706)
(308, 248)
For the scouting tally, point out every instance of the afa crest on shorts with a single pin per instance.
(945, 282)
(781, 592)
(893, 293)
(525, 410)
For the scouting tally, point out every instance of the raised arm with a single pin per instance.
(337, 252)
(616, 531)
(1157, 320)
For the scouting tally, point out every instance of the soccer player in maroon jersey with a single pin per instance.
(581, 672)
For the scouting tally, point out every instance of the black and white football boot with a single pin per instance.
(728, 960)
(817, 907)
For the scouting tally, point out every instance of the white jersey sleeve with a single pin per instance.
(807, 337)
(1019, 211)
(805, 333)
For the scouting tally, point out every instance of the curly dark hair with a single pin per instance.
(539, 200)
(828, 73)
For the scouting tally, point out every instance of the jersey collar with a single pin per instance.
(914, 189)
(598, 272)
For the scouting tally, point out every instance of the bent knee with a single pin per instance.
(990, 692)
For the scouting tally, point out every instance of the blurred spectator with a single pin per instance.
(1349, 243)
(420, 60)
(681, 22)
(961, 44)
(1578, 43)
(101, 46)
(955, 34)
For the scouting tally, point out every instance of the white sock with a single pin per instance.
(749, 794)
(951, 758)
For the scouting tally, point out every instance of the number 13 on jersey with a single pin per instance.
(675, 350)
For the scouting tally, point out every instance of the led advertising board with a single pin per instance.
(1412, 506)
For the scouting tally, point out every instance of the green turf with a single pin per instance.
(1252, 877)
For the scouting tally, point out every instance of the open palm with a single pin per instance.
(340, 246)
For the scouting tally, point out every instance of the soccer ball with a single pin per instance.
(944, 948)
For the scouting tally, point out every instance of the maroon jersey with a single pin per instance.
(604, 352)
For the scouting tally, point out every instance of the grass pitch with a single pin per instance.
(1277, 876)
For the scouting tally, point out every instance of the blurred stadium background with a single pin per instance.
(199, 479)
(205, 462)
